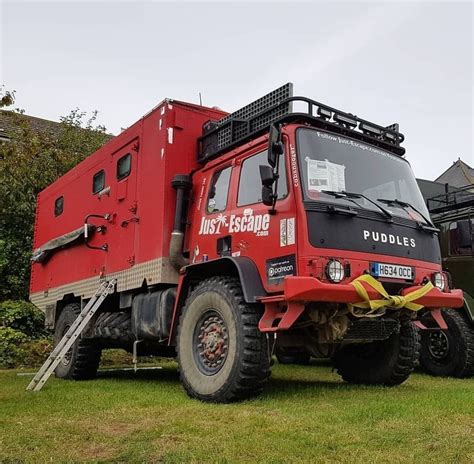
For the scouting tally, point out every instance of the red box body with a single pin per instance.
(141, 207)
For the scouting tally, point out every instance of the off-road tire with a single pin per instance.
(245, 368)
(388, 362)
(114, 326)
(458, 359)
(288, 356)
(82, 361)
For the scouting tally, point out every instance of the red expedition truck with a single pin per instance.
(234, 235)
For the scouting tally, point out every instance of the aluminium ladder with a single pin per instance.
(71, 335)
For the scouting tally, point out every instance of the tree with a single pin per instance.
(30, 161)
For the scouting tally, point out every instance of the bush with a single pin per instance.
(11, 351)
(35, 352)
(23, 339)
(23, 317)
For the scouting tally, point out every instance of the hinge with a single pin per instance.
(133, 208)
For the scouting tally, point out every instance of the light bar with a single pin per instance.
(369, 129)
(324, 113)
(344, 120)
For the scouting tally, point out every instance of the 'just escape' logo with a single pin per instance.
(247, 222)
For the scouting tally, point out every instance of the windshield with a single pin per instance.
(334, 163)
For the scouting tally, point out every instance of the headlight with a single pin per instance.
(439, 280)
(335, 271)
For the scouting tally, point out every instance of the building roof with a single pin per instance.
(459, 174)
(9, 123)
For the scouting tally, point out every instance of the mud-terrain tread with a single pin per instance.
(114, 325)
(402, 361)
(248, 380)
(465, 361)
(86, 357)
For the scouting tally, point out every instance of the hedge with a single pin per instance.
(23, 338)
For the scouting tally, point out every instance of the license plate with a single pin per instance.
(392, 271)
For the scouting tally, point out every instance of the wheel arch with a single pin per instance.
(54, 311)
(241, 267)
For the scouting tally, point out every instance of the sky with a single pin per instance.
(405, 62)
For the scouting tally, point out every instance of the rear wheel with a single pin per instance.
(82, 360)
(222, 355)
(451, 352)
(114, 326)
(387, 362)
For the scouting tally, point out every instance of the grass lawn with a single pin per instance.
(307, 414)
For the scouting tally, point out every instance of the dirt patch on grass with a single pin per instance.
(115, 429)
(95, 452)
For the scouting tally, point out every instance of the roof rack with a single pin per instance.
(451, 200)
(276, 108)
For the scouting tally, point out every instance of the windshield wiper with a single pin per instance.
(404, 204)
(344, 212)
(351, 196)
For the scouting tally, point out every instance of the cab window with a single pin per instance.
(250, 184)
(217, 198)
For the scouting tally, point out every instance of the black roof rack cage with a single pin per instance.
(221, 135)
(277, 107)
(451, 200)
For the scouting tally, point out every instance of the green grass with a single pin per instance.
(306, 415)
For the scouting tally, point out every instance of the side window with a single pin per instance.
(124, 166)
(59, 206)
(98, 182)
(461, 237)
(250, 184)
(217, 200)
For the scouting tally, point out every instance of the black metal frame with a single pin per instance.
(317, 114)
(452, 200)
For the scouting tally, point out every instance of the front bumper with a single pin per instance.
(311, 289)
(300, 290)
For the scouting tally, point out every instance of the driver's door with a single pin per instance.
(268, 239)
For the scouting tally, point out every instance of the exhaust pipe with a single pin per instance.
(182, 184)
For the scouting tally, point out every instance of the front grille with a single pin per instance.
(371, 329)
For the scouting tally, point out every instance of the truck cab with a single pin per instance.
(339, 201)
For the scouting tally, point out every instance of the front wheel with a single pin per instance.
(222, 355)
(388, 362)
(451, 352)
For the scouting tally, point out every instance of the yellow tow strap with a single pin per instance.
(377, 307)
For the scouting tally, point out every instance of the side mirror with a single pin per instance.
(267, 195)
(464, 233)
(267, 175)
(275, 146)
(268, 179)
